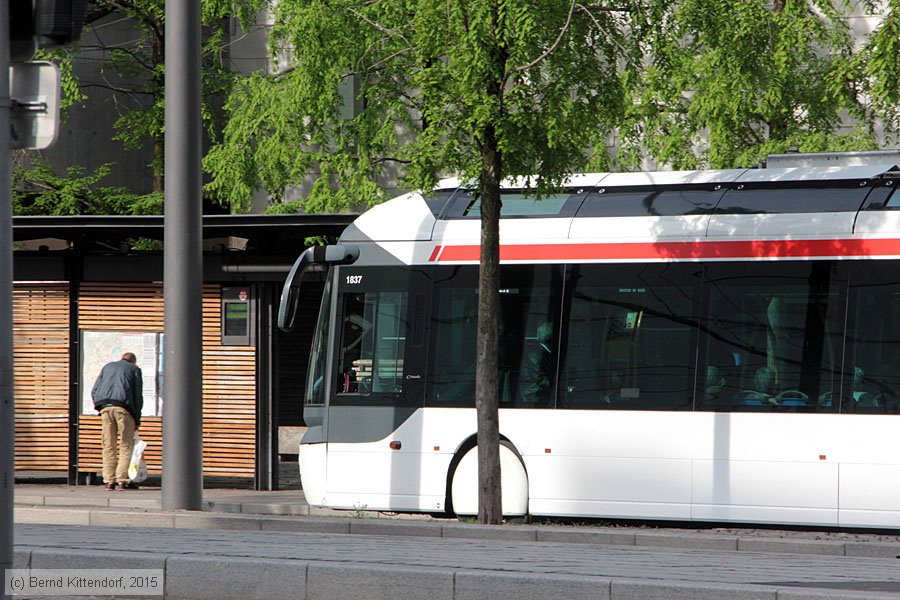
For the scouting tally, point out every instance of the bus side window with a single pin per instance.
(373, 337)
(354, 327)
(629, 342)
(775, 333)
(874, 342)
(454, 326)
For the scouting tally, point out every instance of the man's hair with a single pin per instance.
(130, 357)
(545, 332)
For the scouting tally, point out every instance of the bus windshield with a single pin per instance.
(315, 379)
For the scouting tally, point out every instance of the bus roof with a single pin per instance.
(802, 201)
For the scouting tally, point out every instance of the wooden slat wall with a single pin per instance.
(41, 370)
(229, 379)
(229, 397)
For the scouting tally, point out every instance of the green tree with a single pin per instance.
(483, 89)
(731, 82)
(135, 74)
(137, 70)
(879, 66)
(40, 191)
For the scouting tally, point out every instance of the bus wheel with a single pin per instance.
(513, 482)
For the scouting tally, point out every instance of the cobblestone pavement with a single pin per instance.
(660, 564)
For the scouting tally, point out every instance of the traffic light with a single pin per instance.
(21, 30)
(43, 24)
(58, 23)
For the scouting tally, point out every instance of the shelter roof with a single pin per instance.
(263, 233)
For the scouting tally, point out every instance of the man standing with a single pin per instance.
(537, 367)
(118, 396)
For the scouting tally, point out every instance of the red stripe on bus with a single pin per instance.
(434, 254)
(681, 250)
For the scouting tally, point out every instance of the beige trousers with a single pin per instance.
(118, 437)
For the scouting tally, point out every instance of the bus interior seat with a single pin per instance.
(868, 403)
(794, 403)
(830, 400)
(714, 388)
(792, 398)
(751, 398)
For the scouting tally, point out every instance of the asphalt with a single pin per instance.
(247, 544)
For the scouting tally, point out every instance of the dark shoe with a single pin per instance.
(123, 485)
(110, 487)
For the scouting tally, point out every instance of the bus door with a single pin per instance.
(377, 381)
(774, 349)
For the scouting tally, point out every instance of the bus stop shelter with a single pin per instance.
(88, 288)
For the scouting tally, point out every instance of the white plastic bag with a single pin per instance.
(137, 468)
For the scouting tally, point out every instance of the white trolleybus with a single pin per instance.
(709, 346)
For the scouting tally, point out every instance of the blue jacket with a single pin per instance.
(120, 384)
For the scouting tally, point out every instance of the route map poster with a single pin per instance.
(101, 347)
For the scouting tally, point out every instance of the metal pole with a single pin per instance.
(182, 479)
(7, 408)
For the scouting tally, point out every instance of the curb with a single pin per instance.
(437, 529)
(229, 578)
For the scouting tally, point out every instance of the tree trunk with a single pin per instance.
(486, 379)
(159, 184)
(487, 392)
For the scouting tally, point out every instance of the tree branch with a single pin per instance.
(546, 52)
(755, 138)
(587, 10)
(256, 28)
(465, 15)
(132, 9)
(133, 53)
(385, 159)
(117, 90)
(383, 29)
(597, 8)
(97, 14)
(383, 62)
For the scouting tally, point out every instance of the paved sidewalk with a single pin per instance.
(288, 511)
(221, 564)
(288, 502)
(247, 544)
